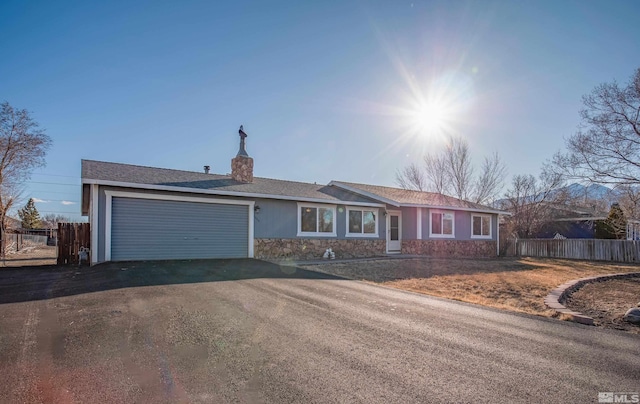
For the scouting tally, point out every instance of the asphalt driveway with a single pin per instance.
(251, 331)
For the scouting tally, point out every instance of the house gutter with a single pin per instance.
(364, 193)
(412, 205)
(170, 188)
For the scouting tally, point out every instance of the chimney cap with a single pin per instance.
(206, 169)
(243, 136)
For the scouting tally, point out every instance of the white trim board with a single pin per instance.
(94, 196)
(179, 198)
(171, 188)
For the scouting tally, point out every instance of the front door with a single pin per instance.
(394, 232)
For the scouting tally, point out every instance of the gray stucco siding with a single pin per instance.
(276, 219)
(462, 225)
(279, 219)
(409, 224)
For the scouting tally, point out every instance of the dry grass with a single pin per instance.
(31, 256)
(512, 284)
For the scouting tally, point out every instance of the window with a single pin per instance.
(362, 222)
(442, 224)
(480, 226)
(316, 220)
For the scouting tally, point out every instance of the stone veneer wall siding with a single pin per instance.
(450, 248)
(310, 249)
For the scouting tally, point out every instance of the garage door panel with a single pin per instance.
(156, 229)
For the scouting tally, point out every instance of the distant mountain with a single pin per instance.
(591, 191)
(579, 193)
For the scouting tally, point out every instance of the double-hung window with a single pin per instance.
(480, 226)
(362, 222)
(442, 224)
(316, 220)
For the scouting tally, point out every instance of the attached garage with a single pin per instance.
(152, 227)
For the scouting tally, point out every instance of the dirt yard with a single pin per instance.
(30, 256)
(507, 283)
(607, 302)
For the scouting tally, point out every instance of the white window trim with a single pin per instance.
(180, 198)
(316, 234)
(453, 224)
(490, 236)
(363, 234)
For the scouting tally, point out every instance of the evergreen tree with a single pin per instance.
(615, 225)
(30, 216)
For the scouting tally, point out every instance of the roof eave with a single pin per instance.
(154, 187)
(492, 211)
(364, 193)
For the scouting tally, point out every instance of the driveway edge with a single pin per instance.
(562, 292)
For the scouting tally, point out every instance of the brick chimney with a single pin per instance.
(242, 164)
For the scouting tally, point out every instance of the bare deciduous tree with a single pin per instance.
(606, 148)
(23, 147)
(411, 177)
(451, 172)
(529, 200)
(459, 167)
(491, 179)
(436, 173)
(629, 201)
(51, 220)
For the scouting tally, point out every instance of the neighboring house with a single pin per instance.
(579, 222)
(633, 229)
(570, 221)
(144, 213)
(568, 228)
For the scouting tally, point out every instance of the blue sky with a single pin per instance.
(325, 89)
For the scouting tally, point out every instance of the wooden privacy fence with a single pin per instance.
(583, 249)
(71, 238)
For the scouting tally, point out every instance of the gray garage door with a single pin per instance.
(144, 229)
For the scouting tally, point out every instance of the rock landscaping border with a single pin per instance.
(557, 296)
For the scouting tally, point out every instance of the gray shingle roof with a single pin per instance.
(408, 197)
(191, 181)
(133, 174)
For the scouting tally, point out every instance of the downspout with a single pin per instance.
(498, 235)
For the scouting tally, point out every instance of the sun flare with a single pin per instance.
(430, 117)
